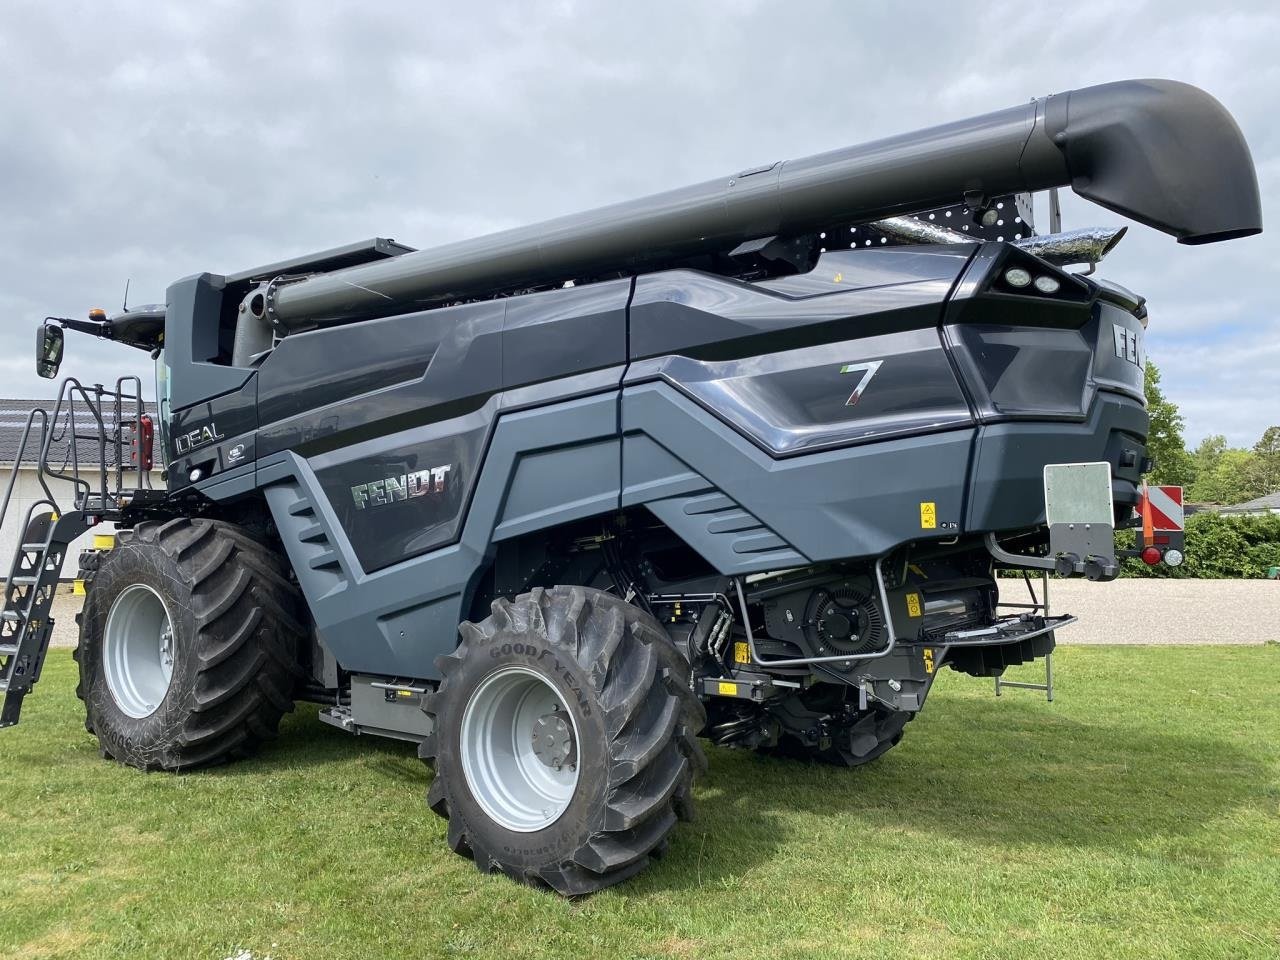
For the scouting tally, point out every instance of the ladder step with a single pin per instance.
(24, 580)
(35, 546)
(8, 649)
(10, 616)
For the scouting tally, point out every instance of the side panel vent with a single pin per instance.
(316, 562)
(724, 532)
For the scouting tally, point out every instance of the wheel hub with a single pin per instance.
(138, 651)
(553, 740)
(518, 749)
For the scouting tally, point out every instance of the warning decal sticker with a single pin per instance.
(928, 515)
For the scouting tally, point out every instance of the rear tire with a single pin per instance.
(231, 645)
(605, 670)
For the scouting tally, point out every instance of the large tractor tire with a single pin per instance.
(564, 740)
(188, 647)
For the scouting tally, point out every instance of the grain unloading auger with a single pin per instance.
(738, 461)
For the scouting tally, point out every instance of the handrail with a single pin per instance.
(17, 462)
(76, 412)
(66, 395)
(126, 407)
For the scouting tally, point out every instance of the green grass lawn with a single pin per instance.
(1137, 816)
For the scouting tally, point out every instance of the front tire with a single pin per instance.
(560, 678)
(188, 645)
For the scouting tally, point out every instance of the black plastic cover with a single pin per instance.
(1161, 152)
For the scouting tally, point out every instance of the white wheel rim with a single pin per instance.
(505, 770)
(137, 651)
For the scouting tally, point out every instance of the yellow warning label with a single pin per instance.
(741, 653)
(913, 604)
(928, 515)
(928, 659)
(728, 689)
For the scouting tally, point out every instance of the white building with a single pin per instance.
(1268, 504)
(28, 490)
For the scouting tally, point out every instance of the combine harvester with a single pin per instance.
(738, 461)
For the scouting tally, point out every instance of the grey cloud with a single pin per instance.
(154, 141)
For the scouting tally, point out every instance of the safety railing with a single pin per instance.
(93, 441)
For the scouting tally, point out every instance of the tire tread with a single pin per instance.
(247, 636)
(651, 720)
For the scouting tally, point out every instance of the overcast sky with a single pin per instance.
(152, 141)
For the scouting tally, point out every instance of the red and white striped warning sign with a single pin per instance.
(1166, 508)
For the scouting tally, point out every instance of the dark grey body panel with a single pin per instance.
(791, 362)
(401, 495)
(848, 294)
(397, 620)
(561, 462)
(854, 502)
(1032, 357)
(220, 434)
(394, 373)
(561, 333)
(1007, 481)
(192, 342)
(829, 395)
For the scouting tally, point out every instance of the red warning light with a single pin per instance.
(1151, 556)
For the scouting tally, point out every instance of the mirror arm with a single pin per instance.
(101, 329)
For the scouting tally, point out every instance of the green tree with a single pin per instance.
(1205, 457)
(1265, 471)
(1164, 441)
(1222, 474)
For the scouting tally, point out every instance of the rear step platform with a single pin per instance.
(1023, 626)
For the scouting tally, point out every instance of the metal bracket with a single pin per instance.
(1037, 605)
(1064, 565)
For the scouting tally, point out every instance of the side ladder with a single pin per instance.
(26, 624)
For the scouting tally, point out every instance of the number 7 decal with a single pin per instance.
(868, 370)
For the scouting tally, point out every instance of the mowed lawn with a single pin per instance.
(1138, 816)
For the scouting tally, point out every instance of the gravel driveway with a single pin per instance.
(1163, 611)
(1126, 611)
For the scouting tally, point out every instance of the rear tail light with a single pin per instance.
(144, 442)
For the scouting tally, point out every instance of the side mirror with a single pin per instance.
(48, 351)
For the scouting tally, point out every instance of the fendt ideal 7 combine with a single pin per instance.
(740, 461)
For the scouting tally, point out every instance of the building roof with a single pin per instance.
(1270, 502)
(15, 414)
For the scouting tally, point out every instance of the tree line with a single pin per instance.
(1213, 472)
